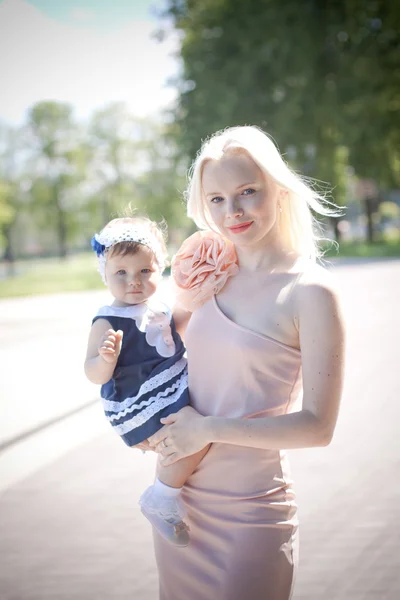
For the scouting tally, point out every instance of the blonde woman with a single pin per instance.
(266, 355)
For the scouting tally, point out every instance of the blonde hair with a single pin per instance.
(300, 230)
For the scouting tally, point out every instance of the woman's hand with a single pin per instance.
(184, 433)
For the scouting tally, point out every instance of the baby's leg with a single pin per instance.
(161, 504)
(177, 474)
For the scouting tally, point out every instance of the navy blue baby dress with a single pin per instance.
(150, 379)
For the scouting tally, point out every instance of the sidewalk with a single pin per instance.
(43, 343)
(71, 529)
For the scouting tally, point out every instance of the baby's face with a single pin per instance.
(132, 278)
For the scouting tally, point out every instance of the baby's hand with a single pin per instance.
(110, 345)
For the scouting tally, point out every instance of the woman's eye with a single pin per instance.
(248, 192)
(216, 199)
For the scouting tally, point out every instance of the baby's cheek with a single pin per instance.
(154, 281)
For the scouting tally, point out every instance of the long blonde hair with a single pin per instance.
(299, 229)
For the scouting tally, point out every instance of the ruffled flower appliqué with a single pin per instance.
(158, 333)
(201, 268)
(154, 322)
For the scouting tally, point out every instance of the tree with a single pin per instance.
(160, 187)
(301, 70)
(60, 159)
(114, 135)
(11, 176)
(371, 98)
(135, 162)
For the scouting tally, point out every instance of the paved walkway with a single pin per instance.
(70, 527)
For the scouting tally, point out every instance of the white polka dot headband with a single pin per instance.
(124, 232)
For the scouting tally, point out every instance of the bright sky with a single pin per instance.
(85, 52)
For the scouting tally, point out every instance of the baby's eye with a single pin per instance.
(216, 199)
(146, 271)
(249, 192)
(121, 272)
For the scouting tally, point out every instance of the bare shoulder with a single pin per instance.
(317, 294)
(316, 281)
(100, 326)
(318, 301)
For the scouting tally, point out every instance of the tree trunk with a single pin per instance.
(61, 226)
(369, 204)
(336, 230)
(8, 256)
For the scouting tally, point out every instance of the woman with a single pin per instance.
(273, 335)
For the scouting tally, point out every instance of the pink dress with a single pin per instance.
(241, 505)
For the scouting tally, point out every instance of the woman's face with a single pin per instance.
(242, 203)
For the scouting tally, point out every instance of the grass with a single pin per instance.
(79, 272)
(52, 275)
(364, 250)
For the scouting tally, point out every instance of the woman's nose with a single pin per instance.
(234, 208)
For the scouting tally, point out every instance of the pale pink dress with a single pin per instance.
(240, 501)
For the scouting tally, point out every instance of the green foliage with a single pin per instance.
(389, 210)
(58, 168)
(320, 77)
(383, 249)
(7, 209)
(71, 179)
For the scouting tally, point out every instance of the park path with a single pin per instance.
(70, 527)
(42, 349)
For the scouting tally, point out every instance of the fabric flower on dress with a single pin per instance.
(159, 335)
(154, 322)
(201, 268)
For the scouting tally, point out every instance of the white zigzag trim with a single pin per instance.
(151, 410)
(147, 386)
(150, 400)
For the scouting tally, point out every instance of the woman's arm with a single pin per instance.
(104, 346)
(322, 341)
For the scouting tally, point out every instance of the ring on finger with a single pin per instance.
(163, 444)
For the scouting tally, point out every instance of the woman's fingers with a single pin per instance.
(170, 419)
(161, 434)
(157, 437)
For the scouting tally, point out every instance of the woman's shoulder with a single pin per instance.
(316, 285)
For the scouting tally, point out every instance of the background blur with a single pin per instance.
(105, 103)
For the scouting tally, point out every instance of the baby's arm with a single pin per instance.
(181, 320)
(104, 347)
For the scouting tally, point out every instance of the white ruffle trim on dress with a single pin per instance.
(148, 386)
(150, 320)
(158, 402)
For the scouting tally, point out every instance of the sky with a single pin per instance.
(85, 52)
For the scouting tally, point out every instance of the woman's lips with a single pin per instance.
(241, 227)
